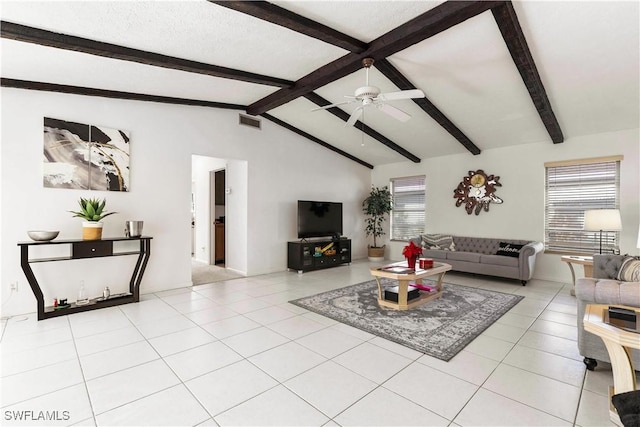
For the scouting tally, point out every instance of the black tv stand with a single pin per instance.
(318, 254)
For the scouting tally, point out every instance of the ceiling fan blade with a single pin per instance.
(394, 112)
(403, 94)
(354, 116)
(332, 105)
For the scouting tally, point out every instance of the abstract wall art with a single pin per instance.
(83, 156)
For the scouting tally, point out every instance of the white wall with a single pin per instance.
(521, 170)
(275, 166)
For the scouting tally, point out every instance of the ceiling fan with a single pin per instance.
(370, 95)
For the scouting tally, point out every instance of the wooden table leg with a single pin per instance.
(403, 289)
(624, 376)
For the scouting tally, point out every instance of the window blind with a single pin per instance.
(407, 216)
(572, 189)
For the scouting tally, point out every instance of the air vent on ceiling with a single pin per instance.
(249, 121)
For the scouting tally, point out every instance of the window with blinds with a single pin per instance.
(407, 216)
(572, 188)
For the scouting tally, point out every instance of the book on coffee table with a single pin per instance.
(398, 270)
(391, 293)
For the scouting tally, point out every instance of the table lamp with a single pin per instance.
(602, 220)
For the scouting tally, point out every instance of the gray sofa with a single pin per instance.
(479, 255)
(603, 288)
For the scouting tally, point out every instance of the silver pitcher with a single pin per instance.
(133, 228)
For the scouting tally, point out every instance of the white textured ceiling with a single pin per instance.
(587, 55)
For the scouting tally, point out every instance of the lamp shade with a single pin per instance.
(602, 219)
(638, 245)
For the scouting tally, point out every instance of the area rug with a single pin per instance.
(439, 328)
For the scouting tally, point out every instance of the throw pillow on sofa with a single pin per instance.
(509, 249)
(438, 241)
(629, 270)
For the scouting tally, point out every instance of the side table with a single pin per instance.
(618, 342)
(585, 261)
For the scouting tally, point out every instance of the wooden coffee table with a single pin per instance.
(618, 342)
(395, 272)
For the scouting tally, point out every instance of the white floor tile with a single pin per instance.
(21, 361)
(504, 332)
(171, 407)
(196, 305)
(180, 341)
(372, 362)
(197, 361)
(551, 396)
(441, 393)
(287, 360)
(464, 365)
(60, 408)
(122, 387)
(17, 343)
(105, 362)
(382, 407)
(275, 407)
(600, 380)
(296, 327)
(255, 341)
(156, 328)
(547, 364)
(536, 376)
(593, 410)
(329, 342)
(209, 315)
(330, 388)
(269, 315)
(247, 305)
(558, 317)
(107, 340)
(37, 382)
(490, 409)
(407, 352)
(230, 326)
(569, 332)
(551, 344)
(227, 387)
(99, 326)
(492, 348)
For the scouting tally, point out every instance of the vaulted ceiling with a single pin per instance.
(494, 73)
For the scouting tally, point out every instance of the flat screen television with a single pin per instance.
(319, 219)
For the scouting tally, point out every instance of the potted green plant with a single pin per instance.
(376, 206)
(92, 211)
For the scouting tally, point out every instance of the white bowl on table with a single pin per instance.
(42, 235)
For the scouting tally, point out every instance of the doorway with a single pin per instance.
(208, 213)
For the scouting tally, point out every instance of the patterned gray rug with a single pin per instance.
(439, 328)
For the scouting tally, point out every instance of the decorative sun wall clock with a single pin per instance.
(476, 191)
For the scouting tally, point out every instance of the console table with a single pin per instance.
(81, 249)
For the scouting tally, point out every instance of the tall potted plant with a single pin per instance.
(92, 211)
(376, 206)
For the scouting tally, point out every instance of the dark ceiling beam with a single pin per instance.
(393, 74)
(416, 30)
(114, 94)
(314, 139)
(287, 19)
(341, 114)
(26, 34)
(507, 21)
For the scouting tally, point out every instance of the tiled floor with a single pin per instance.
(236, 353)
